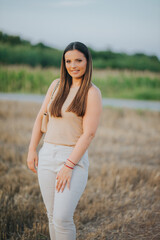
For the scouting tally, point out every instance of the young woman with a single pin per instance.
(62, 162)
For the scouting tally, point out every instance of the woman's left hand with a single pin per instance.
(63, 176)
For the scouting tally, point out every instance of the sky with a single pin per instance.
(129, 26)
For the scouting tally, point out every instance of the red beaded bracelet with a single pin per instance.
(71, 161)
(68, 166)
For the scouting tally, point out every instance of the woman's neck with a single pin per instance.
(76, 82)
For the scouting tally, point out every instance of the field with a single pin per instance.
(112, 83)
(122, 197)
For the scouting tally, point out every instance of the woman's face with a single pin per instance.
(75, 63)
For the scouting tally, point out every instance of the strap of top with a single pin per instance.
(55, 88)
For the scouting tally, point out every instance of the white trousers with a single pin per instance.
(60, 206)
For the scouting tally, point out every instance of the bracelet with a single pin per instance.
(68, 166)
(71, 161)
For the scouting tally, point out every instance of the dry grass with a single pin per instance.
(122, 197)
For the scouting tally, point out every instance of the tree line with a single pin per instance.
(14, 50)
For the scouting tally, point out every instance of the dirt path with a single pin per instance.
(131, 104)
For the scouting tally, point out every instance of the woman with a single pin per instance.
(62, 163)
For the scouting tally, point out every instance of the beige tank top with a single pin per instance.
(65, 130)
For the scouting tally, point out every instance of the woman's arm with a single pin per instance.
(36, 131)
(90, 124)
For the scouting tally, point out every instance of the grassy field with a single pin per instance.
(122, 197)
(112, 83)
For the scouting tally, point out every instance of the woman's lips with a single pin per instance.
(75, 71)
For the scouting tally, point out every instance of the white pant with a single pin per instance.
(60, 207)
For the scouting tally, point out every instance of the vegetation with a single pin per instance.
(14, 50)
(26, 54)
(128, 84)
(112, 83)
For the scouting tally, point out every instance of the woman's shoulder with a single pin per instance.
(94, 99)
(94, 90)
(53, 84)
(55, 81)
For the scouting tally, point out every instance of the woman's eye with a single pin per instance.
(78, 60)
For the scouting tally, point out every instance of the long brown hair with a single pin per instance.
(78, 105)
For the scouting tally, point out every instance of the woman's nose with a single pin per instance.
(73, 64)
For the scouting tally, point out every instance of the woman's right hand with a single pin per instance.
(32, 160)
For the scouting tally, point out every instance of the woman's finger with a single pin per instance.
(59, 183)
(68, 183)
(36, 161)
(33, 169)
(31, 166)
(63, 186)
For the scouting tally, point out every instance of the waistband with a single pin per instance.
(52, 145)
(59, 147)
(61, 151)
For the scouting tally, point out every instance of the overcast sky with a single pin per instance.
(119, 25)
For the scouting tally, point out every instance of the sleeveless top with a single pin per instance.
(65, 130)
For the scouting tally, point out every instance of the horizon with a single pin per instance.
(61, 49)
(121, 26)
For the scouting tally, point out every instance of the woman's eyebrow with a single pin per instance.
(75, 59)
